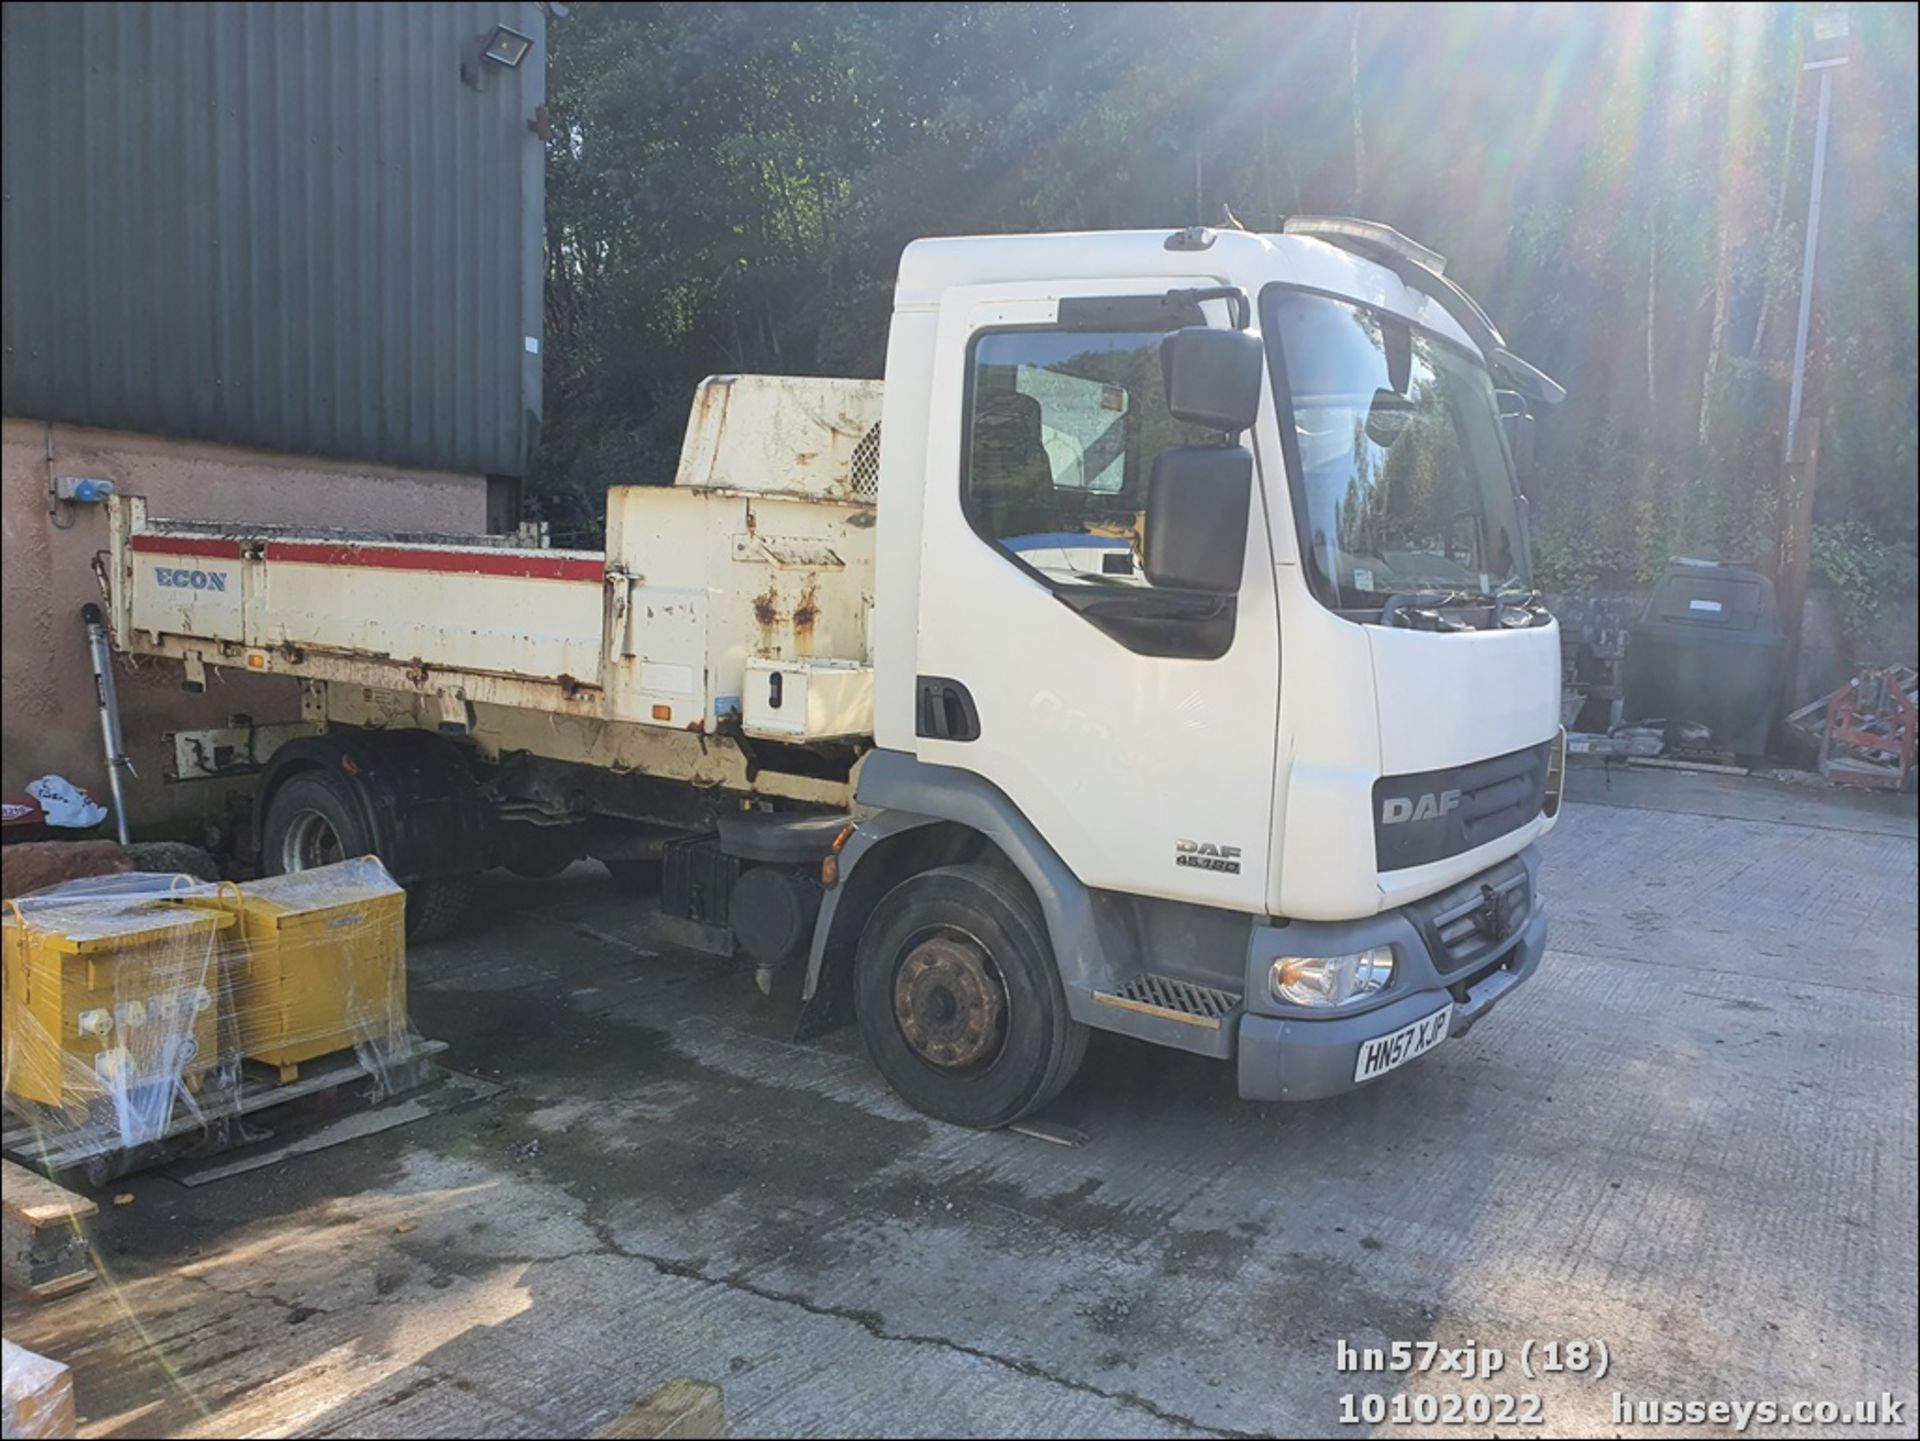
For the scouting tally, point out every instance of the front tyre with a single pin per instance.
(958, 999)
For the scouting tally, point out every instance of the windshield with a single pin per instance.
(1401, 485)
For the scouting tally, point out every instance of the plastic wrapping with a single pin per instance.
(140, 1007)
(37, 1392)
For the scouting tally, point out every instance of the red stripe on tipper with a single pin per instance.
(187, 545)
(527, 564)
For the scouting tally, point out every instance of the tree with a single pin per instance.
(730, 187)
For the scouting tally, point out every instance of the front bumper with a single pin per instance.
(1292, 1055)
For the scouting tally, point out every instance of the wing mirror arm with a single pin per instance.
(1235, 297)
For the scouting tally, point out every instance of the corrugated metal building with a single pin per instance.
(314, 228)
(267, 262)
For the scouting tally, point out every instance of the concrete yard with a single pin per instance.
(1691, 1138)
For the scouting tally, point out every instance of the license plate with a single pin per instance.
(1396, 1048)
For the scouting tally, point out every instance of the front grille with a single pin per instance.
(1471, 922)
(1431, 815)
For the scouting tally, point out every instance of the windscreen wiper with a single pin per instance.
(1432, 606)
(1532, 595)
(1429, 604)
(1526, 604)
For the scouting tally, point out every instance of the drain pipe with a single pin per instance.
(116, 751)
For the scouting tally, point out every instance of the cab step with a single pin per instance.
(1183, 1001)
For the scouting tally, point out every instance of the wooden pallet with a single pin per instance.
(60, 1148)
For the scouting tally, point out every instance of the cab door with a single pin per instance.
(1132, 725)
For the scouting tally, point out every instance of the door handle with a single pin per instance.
(946, 711)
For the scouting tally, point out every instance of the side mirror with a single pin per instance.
(1197, 502)
(1519, 431)
(1388, 418)
(1212, 377)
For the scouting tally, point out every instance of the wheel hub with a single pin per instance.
(310, 841)
(950, 1003)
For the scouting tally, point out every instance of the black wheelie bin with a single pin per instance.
(1707, 651)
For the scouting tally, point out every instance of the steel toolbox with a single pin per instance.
(111, 998)
(318, 962)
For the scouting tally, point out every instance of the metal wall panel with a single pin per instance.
(314, 228)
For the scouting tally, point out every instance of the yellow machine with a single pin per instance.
(318, 963)
(111, 998)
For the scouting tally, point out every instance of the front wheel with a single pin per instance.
(959, 1002)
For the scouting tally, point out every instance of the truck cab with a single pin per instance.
(1228, 653)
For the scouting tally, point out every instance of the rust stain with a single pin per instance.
(766, 607)
(569, 686)
(805, 612)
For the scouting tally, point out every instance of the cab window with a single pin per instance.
(1062, 427)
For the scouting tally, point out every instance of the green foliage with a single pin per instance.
(1874, 580)
(730, 186)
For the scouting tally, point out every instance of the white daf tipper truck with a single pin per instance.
(1154, 652)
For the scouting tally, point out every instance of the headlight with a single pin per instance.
(1332, 980)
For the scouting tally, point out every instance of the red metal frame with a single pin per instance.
(1871, 713)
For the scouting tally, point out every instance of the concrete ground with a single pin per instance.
(1691, 1139)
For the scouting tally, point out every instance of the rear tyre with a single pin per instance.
(958, 999)
(312, 820)
(436, 907)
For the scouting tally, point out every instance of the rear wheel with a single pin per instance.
(436, 907)
(959, 1002)
(312, 821)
